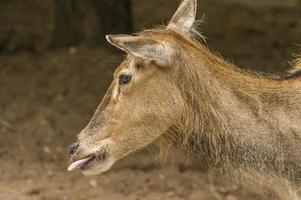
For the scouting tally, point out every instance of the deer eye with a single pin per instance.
(124, 79)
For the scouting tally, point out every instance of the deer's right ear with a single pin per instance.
(144, 48)
(184, 17)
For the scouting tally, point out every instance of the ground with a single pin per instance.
(47, 98)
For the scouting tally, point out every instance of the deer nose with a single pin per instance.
(73, 148)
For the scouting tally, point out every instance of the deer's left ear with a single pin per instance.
(142, 48)
(184, 17)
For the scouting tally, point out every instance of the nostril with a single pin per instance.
(73, 148)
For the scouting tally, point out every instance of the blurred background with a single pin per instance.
(55, 67)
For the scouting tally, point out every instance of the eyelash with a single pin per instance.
(124, 79)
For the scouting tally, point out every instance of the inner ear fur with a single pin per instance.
(140, 47)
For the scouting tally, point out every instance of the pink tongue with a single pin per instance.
(79, 163)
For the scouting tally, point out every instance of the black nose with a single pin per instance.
(73, 148)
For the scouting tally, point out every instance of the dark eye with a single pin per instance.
(124, 79)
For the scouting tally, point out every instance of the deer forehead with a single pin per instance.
(127, 67)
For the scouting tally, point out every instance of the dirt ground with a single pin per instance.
(45, 99)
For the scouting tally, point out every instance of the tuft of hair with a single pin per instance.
(196, 32)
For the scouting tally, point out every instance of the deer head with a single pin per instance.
(143, 102)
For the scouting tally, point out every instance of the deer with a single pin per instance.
(171, 90)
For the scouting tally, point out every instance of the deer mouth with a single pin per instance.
(88, 162)
(81, 164)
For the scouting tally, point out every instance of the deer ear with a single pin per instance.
(142, 48)
(184, 17)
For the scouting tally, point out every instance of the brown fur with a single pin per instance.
(234, 121)
(241, 124)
